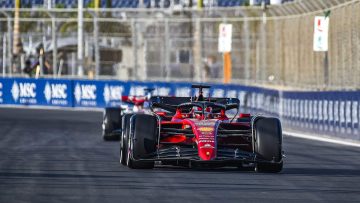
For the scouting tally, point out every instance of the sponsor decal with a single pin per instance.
(206, 129)
(348, 112)
(24, 92)
(325, 110)
(355, 111)
(252, 100)
(85, 94)
(204, 123)
(183, 92)
(137, 90)
(259, 100)
(112, 94)
(336, 111)
(231, 94)
(15, 91)
(242, 98)
(56, 93)
(311, 113)
(315, 110)
(342, 112)
(162, 91)
(302, 109)
(320, 110)
(331, 111)
(1, 93)
(218, 93)
(209, 146)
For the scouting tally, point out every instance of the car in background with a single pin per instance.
(112, 116)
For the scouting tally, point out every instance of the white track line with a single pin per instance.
(52, 108)
(323, 139)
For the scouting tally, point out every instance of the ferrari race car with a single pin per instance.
(112, 117)
(198, 131)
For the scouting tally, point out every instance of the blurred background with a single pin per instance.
(177, 40)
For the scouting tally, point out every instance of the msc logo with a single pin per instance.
(162, 91)
(231, 94)
(182, 92)
(23, 90)
(1, 86)
(55, 91)
(84, 91)
(137, 90)
(218, 93)
(112, 93)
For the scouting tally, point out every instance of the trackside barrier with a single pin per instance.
(335, 113)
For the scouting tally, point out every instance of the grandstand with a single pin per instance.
(133, 3)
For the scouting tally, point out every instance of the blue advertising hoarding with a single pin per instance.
(336, 113)
(20, 91)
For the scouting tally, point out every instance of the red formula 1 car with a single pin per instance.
(196, 131)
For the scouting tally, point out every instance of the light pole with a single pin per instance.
(96, 39)
(9, 41)
(80, 51)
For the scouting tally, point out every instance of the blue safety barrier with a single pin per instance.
(20, 91)
(334, 113)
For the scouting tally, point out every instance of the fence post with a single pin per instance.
(9, 45)
(197, 51)
(264, 70)
(247, 50)
(80, 47)
(96, 46)
(135, 47)
(167, 50)
(54, 43)
(4, 59)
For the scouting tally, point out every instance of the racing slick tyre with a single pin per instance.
(111, 124)
(142, 141)
(268, 145)
(124, 138)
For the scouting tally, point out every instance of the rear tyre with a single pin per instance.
(124, 138)
(268, 145)
(142, 142)
(111, 124)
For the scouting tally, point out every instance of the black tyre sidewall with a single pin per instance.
(113, 121)
(268, 144)
(124, 138)
(142, 141)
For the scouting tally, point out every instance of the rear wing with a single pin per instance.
(170, 103)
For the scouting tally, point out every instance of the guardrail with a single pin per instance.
(333, 113)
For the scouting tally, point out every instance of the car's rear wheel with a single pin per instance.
(268, 145)
(142, 141)
(111, 124)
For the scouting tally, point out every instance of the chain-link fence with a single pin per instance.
(270, 46)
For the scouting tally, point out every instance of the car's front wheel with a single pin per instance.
(124, 138)
(268, 145)
(142, 141)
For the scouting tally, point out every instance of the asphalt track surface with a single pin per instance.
(59, 156)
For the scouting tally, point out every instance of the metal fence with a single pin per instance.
(271, 46)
